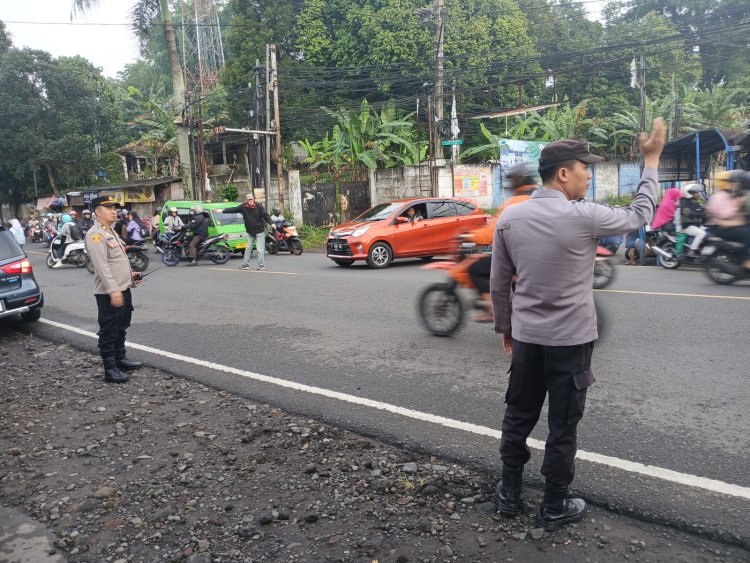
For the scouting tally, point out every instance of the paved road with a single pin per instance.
(671, 370)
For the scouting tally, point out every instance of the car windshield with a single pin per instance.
(379, 212)
(228, 218)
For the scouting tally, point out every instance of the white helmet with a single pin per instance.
(689, 190)
(173, 210)
(198, 209)
(50, 215)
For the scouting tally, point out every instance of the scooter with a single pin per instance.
(723, 260)
(441, 308)
(284, 240)
(74, 253)
(212, 248)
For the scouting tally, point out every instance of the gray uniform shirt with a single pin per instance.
(111, 265)
(550, 243)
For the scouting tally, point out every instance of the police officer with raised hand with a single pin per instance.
(113, 279)
(548, 322)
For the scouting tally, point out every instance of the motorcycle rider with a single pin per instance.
(69, 233)
(278, 219)
(691, 217)
(121, 226)
(50, 228)
(522, 177)
(199, 226)
(86, 221)
(724, 210)
(173, 222)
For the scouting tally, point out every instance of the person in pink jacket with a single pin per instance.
(666, 210)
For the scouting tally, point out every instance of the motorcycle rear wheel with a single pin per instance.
(89, 265)
(604, 274)
(50, 261)
(671, 262)
(170, 257)
(138, 261)
(78, 258)
(221, 254)
(296, 246)
(714, 270)
(440, 309)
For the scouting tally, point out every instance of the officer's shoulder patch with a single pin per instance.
(96, 238)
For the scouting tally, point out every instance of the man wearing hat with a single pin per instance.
(113, 279)
(548, 322)
(254, 216)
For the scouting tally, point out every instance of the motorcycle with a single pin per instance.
(136, 256)
(441, 308)
(74, 253)
(723, 260)
(664, 244)
(212, 248)
(286, 240)
(34, 234)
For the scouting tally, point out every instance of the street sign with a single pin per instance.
(449, 142)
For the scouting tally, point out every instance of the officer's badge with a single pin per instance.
(96, 238)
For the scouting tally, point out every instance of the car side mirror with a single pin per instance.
(401, 219)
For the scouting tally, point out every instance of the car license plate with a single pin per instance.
(337, 246)
(241, 245)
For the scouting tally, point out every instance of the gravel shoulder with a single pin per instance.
(165, 469)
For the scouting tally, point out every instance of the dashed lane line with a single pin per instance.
(669, 294)
(712, 485)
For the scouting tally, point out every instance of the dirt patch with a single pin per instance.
(163, 469)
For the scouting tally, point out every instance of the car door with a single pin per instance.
(411, 238)
(444, 223)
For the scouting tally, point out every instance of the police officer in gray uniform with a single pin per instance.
(548, 322)
(113, 279)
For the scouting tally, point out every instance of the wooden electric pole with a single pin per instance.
(277, 124)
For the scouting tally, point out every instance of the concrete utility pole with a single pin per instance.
(277, 124)
(256, 137)
(267, 177)
(438, 13)
(642, 84)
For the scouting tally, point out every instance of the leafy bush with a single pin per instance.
(312, 237)
(228, 192)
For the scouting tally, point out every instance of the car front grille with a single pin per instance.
(339, 247)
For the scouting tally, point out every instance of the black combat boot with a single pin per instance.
(112, 373)
(508, 492)
(124, 364)
(557, 509)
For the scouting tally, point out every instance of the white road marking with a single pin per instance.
(39, 253)
(668, 294)
(255, 271)
(696, 481)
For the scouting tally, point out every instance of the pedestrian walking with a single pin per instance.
(255, 217)
(17, 231)
(113, 279)
(548, 322)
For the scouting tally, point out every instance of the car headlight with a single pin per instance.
(362, 230)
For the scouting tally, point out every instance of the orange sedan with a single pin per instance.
(405, 228)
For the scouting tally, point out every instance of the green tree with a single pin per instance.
(148, 15)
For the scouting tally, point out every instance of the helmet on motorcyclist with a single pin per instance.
(276, 211)
(689, 190)
(197, 209)
(173, 210)
(50, 215)
(67, 218)
(87, 212)
(522, 174)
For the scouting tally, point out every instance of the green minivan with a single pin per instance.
(230, 224)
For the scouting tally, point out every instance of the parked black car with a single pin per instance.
(19, 292)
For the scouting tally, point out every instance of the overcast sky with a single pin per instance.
(110, 47)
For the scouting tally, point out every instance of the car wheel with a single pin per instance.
(380, 256)
(344, 263)
(31, 316)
